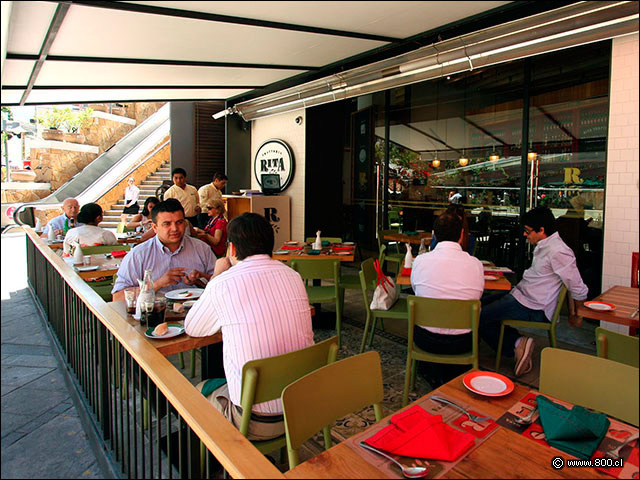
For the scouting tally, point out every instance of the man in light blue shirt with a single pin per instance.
(64, 222)
(175, 260)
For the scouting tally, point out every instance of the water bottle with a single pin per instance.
(51, 233)
(423, 247)
(147, 295)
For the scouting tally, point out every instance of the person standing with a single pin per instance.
(447, 272)
(209, 193)
(262, 308)
(131, 194)
(63, 223)
(535, 297)
(455, 197)
(186, 194)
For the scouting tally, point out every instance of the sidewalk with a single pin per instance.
(42, 435)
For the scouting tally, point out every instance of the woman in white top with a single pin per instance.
(89, 233)
(131, 206)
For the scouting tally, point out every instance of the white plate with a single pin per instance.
(348, 243)
(189, 303)
(488, 384)
(291, 243)
(343, 253)
(491, 277)
(600, 306)
(486, 262)
(281, 252)
(184, 294)
(88, 268)
(173, 331)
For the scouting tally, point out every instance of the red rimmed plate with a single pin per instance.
(600, 306)
(488, 384)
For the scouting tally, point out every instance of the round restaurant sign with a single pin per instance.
(274, 157)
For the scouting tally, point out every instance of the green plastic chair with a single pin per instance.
(598, 383)
(122, 228)
(328, 239)
(617, 346)
(266, 378)
(315, 401)
(550, 327)
(368, 283)
(322, 269)
(104, 249)
(391, 251)
(439, 313)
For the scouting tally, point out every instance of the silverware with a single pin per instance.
(528, 419)
(409, 472)
(634, 313)
(474, 418)
(615, 453)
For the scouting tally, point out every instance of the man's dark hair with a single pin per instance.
(448, 227)
(251, 234)
(540, 217)
(89, 213)
(179, 170)
(457, 209)
(220, 176)
(170, 205)
(145, 209)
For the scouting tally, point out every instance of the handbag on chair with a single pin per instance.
(386, 292)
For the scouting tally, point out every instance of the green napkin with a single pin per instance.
(313, 252)
(211, 385)
(409, 233)
(577, 431)
(326, 243)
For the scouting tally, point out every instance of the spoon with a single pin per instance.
(409, 472)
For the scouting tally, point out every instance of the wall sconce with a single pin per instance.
(435, 163)
(463, 161)
(494, 157)
(532, 156)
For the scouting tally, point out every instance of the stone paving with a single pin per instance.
(42, 435)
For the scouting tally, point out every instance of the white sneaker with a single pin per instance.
(524, 364)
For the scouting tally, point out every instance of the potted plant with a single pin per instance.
(76, 121)
(52, 120)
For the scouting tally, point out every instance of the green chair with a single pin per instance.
(440, 313)
(368, 283)
(327, 239)
(104, 249)
(392, 252)
(315, 401)
(266, 378)
(598, 383)
(617, 346)
(322, 269)
(550, 327)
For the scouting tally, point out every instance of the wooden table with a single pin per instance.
(403, 238)
(502, 283)
(624, 298)
(108, 266)
(324, 254)
(505, 454)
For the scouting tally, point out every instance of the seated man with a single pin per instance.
(535, 297)
(169, 255)
(62, 223)
(262, 308)
(447, 272)
(89, 233)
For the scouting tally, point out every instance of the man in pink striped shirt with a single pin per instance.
(262, 308)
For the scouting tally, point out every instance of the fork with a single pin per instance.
(473, 418)
(526, 420)
(615, 453)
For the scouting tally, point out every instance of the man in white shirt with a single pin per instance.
(209, 193)
(187, 195)
(262, 308)
(535, 297)
(62, 223)
(447, 272)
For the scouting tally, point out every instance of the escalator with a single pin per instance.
(107, 170)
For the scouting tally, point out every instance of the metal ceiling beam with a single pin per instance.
(157, 61)
(131, 87)
(117, 100)
(213, 17)
(56, 22)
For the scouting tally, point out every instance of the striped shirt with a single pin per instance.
(262, 308)
(152, 254)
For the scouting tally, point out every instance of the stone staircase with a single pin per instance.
(147, 189)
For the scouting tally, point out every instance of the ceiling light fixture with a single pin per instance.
(574, 24)
(463, 161)
(494, 157)
(532, 156)
(224, 113)
(435, 162)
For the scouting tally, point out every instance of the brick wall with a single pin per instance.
(285, 128)
(621, 202)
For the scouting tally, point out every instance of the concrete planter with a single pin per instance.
(53, 134)
(23, 175)
(74, 137)
(99, 107)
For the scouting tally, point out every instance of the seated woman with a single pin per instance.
(143, 219)
(468, 239)
(215, 232)
(89, 233)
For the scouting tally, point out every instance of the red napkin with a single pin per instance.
(343, 249)
(418, 434)
(406, 272)
(118, 253)
(287, 247)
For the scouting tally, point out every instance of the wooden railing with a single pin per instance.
(126, 384)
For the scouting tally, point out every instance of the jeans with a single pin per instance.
(503, 306)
